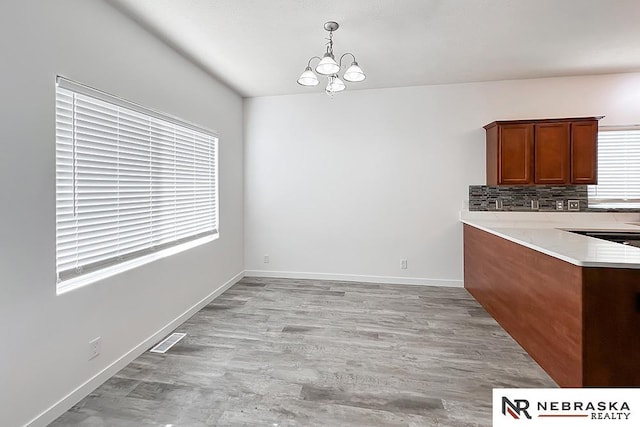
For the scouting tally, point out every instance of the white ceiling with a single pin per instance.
(260, 47)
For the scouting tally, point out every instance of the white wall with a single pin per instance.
(43, 355)
(346, 187)
(334, 186)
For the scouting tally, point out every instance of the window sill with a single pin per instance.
(78, 282)
(614, 207)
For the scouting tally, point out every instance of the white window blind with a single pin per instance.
(618, 167)
(129, 181)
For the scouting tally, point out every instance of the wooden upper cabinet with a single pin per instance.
(515, 161)
(584, 152)
(544, 152)
(551, 153)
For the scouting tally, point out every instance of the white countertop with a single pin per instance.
(545, 232)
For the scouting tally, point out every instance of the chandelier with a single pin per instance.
(330, 68)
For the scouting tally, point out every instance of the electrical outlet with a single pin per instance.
(573, 205)
(559, 205)
(535, 205)
(95, 346)
(266, 259)
(498, 204)
(403, 264)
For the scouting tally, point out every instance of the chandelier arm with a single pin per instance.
(311, 59)
(343, 55)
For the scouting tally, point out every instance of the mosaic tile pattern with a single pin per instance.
(518, 198)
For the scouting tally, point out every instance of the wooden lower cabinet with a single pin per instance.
(581, 324)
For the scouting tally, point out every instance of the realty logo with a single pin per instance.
(516, 409)
(567, 407)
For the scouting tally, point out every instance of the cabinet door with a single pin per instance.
(552, 165)
(584, 152)
(515, 152)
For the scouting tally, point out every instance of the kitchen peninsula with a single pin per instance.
(571, 301)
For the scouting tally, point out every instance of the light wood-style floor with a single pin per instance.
(283, 352)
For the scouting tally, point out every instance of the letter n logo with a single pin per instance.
(516, 409)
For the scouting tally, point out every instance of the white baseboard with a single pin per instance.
(83, 390)
(419, 281)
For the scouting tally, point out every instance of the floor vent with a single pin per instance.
(167, 343)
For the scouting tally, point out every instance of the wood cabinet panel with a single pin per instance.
(492, 155)
(534, 297)
(611, 326)
(551, 153)
(515, 154)
(584, 152)
(579, 323)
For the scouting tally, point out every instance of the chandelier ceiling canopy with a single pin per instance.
(328, 66)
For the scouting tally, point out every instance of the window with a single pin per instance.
(132, 185)
(618, 169)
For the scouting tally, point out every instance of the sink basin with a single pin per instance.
(631, 238)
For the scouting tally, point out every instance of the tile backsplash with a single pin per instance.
(518, 198)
